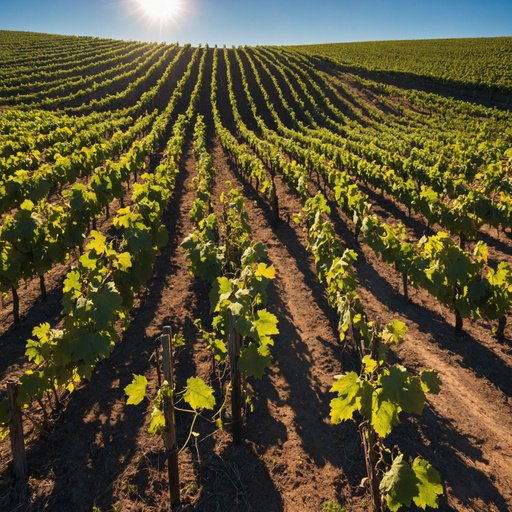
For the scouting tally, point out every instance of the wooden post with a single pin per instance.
(458, 316)
(15, 305)
(404, 282)
(369, 442)
(16, 435)
(275, 200)
(236, 391)
(170, 442)
(42, 287)
(502, 322)
(357, 340)
(156, 354)
(368, 438)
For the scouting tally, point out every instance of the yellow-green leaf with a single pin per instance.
(199, 395)
(264, 270)
(428, 482)
(157, 423)
(136, 391)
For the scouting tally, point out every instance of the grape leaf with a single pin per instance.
(343, 407)
(253, 362)
(235, 308)
(91, 345)
(88, 261)
(107, 303)
(225, 288)
(384, 415)
(72, 283)
(124, 261)
(98, 243)
(399, 387)
(266, 324)
(4, 419)
(394, 331)
(399, 484)
(157, 423)
(430, 381)
(369, 363)
(32, 384)
(199, 395)
(429, 484)
(136, 391)
(27, 205)
(264, 270)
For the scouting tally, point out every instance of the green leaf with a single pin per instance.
(42, 331)
(430, 381)
(369, 363)
(399, 484)
(136, 391)
(27, 205)
(401, 388)
(266, 271)
(384, 415)
(33, 351)
(394, 331)
(348, 387)
(4, 419)
(88, 260)
(266, 324)
(157, 423)
(199, 395)
(32, 384)
(366, 399)
(72, 283)
(178, 340)
(124, 261)
(236, 308)
(342, 409)
(107, 304)
(98, 243)
(225, 286)
(90, 346)
(254, 361)
(429, 484)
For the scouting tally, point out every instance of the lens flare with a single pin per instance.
(160, 11)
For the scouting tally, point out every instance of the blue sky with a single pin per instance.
(266, 21)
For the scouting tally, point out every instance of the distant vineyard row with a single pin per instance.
(483, 62)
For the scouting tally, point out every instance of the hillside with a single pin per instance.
(482, 62)
(293, 218)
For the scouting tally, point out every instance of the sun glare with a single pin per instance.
(160, 10)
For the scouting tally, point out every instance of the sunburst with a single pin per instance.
(160, 11)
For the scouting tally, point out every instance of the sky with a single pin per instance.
(248, 22)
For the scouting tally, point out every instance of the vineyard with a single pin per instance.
(281, 273)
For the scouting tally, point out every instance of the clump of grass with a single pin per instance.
(330, 506)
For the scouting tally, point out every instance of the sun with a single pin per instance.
(160, 10)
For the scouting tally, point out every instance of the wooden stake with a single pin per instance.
(502, 322)
(42, 287)
(16, 435)
(368, 438)
(370, 444)
(404, 282)
(458, 316)
(15, 305)
(275, 200)
(156, 354)
(170, 442)
(236, 391)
